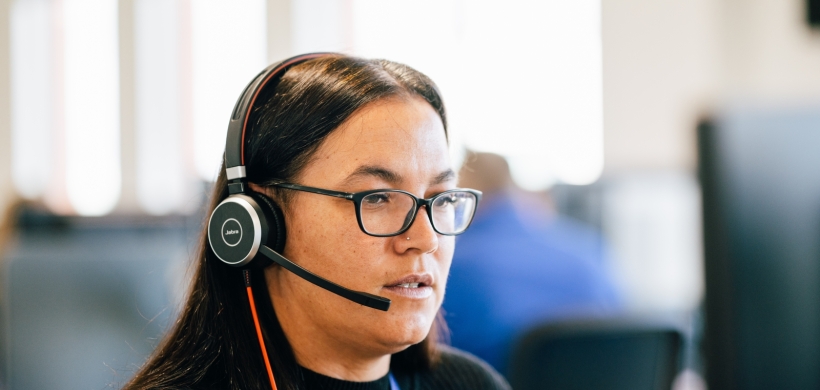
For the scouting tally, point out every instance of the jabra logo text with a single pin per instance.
(231, 232)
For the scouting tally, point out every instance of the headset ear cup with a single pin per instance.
(276, 222)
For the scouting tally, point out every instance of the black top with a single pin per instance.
(457, 370)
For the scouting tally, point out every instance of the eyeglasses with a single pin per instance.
(387, 213)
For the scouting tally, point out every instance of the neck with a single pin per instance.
(317, 350)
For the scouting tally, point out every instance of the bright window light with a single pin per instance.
(32, 89)
(319, 25)
(91, 101)
(161, 180)
(393, 30)
(229, 49)
(522, 79)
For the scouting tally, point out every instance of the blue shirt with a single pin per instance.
(513, 270)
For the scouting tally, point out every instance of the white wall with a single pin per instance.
(769, 53)
(660, 70)
(667, 63)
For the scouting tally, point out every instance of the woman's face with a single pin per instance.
(396, 143)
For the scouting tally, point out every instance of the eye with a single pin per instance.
(447, 200)
(378, 199)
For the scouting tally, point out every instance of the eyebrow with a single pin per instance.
(444, 177)
(393, 177)
(377, 171)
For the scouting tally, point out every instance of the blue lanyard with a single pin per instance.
(393, 384)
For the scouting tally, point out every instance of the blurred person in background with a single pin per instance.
(520, 265)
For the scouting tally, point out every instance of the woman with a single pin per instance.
(333, 125)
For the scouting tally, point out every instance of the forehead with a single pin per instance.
(402, 134)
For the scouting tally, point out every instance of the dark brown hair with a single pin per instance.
(213, 342)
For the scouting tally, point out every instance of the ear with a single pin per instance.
(266, 191)
(257, 188)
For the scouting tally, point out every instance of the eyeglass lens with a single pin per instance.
(388, 212)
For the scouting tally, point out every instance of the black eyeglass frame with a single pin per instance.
(357, 198)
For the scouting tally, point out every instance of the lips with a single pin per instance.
(412, 287)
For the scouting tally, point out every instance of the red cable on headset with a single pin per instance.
(247, 276)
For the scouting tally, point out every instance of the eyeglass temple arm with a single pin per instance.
(314, 190)
(362, 298)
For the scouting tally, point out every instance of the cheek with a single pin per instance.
(326, 238)
(446, 246)
(316, 222)
(360, 255)
(444, 259)
(305, 231)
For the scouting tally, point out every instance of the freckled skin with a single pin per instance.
(330, 334)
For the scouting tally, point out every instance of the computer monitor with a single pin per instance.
(813, 13)
(611, 353)
(760, 173)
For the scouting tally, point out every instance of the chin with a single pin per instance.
(405, 330)
(398, 344)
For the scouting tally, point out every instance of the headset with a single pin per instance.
(247, 229)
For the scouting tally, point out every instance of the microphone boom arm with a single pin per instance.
(362, 298)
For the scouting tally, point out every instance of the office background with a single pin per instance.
(115, 111)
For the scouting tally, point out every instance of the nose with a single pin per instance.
(420, 235)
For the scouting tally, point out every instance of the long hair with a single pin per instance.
(213, 343)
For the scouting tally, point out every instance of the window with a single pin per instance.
(229, 49)
(522, 78)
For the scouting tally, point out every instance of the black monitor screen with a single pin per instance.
(760, 172)
(813, 12)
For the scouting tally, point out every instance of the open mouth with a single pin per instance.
(413, 281)
(412, 286)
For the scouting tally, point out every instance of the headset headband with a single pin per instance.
(235, 144)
